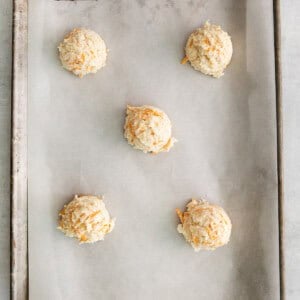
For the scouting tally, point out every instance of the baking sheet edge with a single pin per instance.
(19, 232)
(279, 124)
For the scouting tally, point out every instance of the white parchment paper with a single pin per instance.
(226, 152)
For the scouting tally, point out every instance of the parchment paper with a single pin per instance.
(226, 152)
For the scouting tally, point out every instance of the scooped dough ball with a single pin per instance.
(148, 129)
(86, 219)
(209, 50)
(204, 226)
(82, 51)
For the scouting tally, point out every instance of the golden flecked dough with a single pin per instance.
(205, 226)
(86, 219)
(209, 50)
(82, 51)
(149, 129)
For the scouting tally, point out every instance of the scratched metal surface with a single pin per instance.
(5, 109)
(19, 208)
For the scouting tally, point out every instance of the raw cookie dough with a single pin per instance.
(82, 51)
(209, 50)
(204, 226)
(148, 129)
(86, 219)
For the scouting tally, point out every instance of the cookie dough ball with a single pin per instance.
(148, 129)
(82, 51)
(204, 226)
(86, 219)
(209, 50)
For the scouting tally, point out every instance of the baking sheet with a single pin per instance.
(226, 152)
(5, 132)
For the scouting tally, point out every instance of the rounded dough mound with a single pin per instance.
(148, 129)
(204, 226)
(209, 50)
(86, 219)
(82, 51)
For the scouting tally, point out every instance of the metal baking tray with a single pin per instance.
(62, 129)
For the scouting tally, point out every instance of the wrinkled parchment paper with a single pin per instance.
(226, 152)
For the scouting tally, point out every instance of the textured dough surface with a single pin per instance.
(205, 226)
(86, 219)
(209, 50)
(82, 51)
(149, 129)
